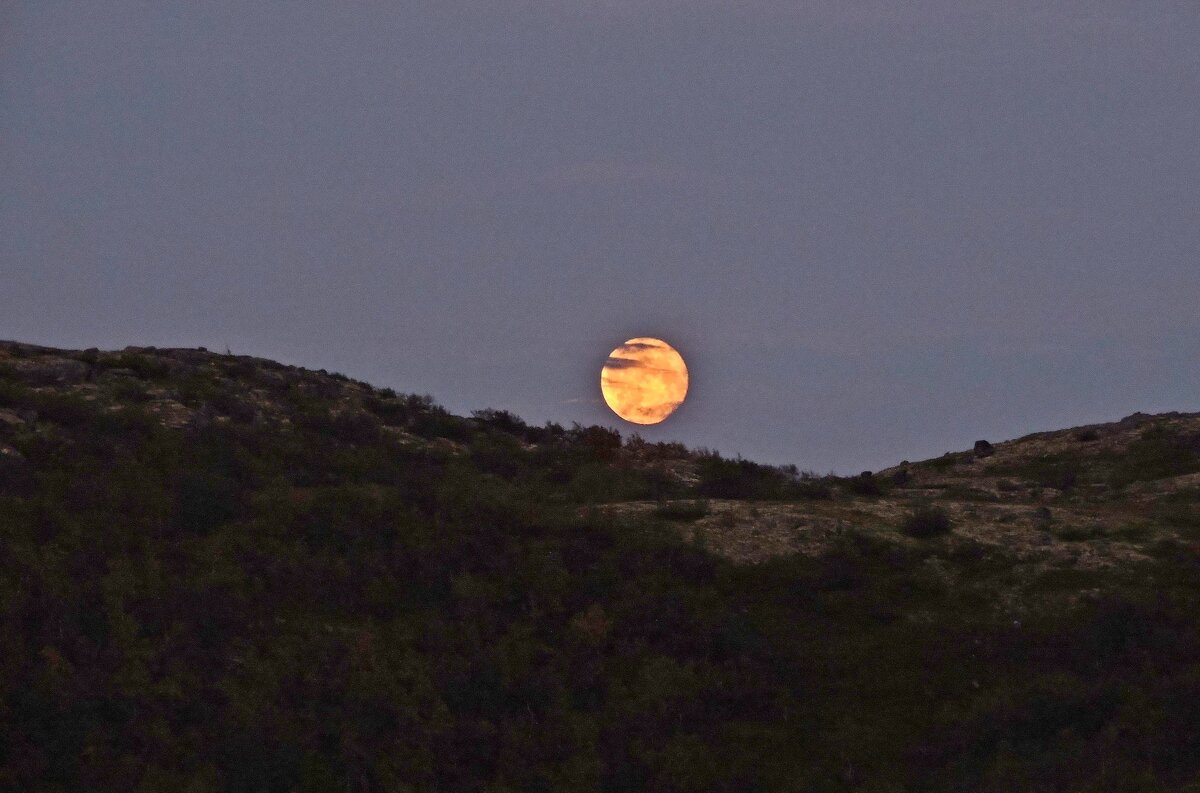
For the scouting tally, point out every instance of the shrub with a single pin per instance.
(596, 482)
(500, 420)
(1159, 453)
(68, 410)
(497, 453)
(809, 487)
(232, 405)
(389, 409)
(1060, 471)
(130, 390)
(144, 366)
(602, 443)
(204, 501)
(926, 520)
(865, 484)
(742, 479)
(355, 427)
(438, 423)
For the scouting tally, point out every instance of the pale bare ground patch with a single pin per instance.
(1037, 529)
(171, 413)
(752, 532)
(1152, 491)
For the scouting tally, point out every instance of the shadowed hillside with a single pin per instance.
(222, 573)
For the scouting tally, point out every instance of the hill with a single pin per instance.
(222, 573)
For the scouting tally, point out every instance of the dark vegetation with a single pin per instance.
(867, 484)
(743, 479)
(1156, 454)
(926, 520)
(312, 601)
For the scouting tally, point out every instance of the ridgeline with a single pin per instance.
(220, 573)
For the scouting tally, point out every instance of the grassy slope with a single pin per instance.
(220, 573)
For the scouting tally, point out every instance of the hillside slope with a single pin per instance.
(1087, 497)
(222, 573)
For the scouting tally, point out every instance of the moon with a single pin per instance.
(644, 380)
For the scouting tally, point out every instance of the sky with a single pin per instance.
(875, 230)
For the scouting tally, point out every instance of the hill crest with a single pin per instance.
(222, 573)
(1075, 496)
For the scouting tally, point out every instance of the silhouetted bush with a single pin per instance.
(500, 420)
(809, 487)
(739, 479)
(926, 520)
(603, 443)
(433, 421)
(865, 484)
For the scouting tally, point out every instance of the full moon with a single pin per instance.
(644, 380)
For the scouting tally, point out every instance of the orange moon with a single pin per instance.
(644, 380)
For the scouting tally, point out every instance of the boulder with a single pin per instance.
(983, 449)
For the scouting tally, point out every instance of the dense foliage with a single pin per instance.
(322, 604)
(926, 520)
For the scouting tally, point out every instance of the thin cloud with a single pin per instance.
(622, 363)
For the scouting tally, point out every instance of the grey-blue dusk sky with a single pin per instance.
(876, 230)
